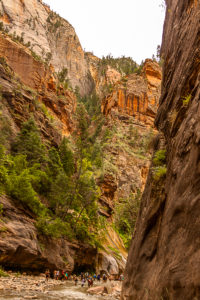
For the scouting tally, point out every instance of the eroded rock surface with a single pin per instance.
(50, 36)
(102, 77)
(163, 261)
(136, 95)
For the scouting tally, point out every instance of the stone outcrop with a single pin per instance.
(136, 95)
(19, 246)
(50, 36)
(112, 258)
(32, 73)
(163, 261)
(27, 85)
(101, 77)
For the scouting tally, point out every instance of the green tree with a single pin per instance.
(126, 216)
(28, 142)
(66, 157)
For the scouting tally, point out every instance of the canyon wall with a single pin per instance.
(163, 261)
(29, 87)
(130, 110)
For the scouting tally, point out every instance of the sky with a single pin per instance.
(118, 27)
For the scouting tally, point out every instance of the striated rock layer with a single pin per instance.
(164, 258)
(136, 95)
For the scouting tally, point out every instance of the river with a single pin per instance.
(66, 291)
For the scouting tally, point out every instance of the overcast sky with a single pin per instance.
(120, 27)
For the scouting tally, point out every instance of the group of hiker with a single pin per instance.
(83, 278)
(57, 275)
(90, 279)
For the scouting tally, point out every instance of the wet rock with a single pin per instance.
(108, 264)
(97, 290)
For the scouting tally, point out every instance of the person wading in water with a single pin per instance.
(47, 274)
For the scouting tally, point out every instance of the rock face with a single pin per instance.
(163, 261)
(34, 86)
(50, 36)
(102, 78)
(19, 246)
(32, 72)
(136, 95)
(112, 258)
(130, 111)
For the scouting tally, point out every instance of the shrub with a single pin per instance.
(3, 273)
(159, 157)
(1, 209)
(66, 157)
(62, 74)
(159, 172)
(20, 188)
(186, 100)
(55, 228)
(126, 212)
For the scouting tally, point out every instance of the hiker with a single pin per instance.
(75, 280)
(63, 275)
(83, 282)
(95, 277)
(66, 275)
(54, 274)
(91, 281)
(121, 278)
(47, 274)
(98, 277)
(104, 277)
(57, 275)
(88, 282)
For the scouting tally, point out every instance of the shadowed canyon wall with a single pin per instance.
(164, 258)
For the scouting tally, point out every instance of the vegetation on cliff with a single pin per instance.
(126, 212)
(57, 185)
(106, 137)
(124, 65)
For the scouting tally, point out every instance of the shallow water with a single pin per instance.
(65, 292)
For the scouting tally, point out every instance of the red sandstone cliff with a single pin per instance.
(136, 95)
(34, 74)
(31, 88)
